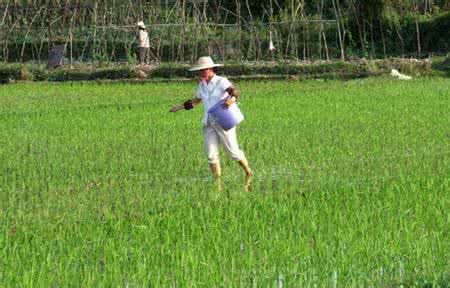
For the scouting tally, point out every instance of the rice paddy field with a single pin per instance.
(102, 187)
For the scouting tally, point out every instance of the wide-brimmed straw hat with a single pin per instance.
(141, 24)
(204, 62)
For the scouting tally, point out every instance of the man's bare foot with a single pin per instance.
(218, 184)
(216, 171)
(248, 180)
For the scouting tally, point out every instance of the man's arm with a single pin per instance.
(188, 105)
(235, 95)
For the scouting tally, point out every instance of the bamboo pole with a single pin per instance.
(339, 26)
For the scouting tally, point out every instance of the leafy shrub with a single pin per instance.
(9, 72)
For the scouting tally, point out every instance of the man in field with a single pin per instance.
(144, 44)
(211, 90)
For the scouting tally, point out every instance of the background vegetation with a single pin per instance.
(181, 30)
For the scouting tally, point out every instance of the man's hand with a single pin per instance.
(188, 105)
(229, 101)
(176, 108)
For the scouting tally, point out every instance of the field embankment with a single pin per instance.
(292, 70)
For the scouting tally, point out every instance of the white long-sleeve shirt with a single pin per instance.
(144, 41)
(212, 92)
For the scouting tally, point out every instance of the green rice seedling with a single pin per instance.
(101, 186)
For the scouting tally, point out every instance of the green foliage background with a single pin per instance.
(372, 29)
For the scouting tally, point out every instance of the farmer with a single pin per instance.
(144, 44)
(211, 90)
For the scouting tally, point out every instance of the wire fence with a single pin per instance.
(175, 42)
(179, 31)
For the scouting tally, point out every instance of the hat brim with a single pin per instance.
(203, 67)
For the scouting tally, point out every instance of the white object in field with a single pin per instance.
(271, 47)
(400, 76)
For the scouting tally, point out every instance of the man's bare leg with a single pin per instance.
(248, 174)
(216, 171)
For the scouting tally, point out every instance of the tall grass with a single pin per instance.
(101, 186)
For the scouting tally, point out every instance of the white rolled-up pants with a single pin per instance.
(214, 136)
